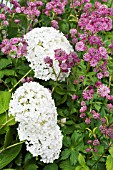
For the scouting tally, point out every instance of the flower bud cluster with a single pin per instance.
(34, 109)
(56, 6)
(15, 47)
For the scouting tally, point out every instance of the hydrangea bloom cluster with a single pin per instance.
(43, 42)
(15, 47)
(34, 109)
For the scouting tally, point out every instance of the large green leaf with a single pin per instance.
(8, 155)
(4, 101)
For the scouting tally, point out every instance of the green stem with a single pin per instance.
(101, 156)
(6, 123)
(11, 146)
(20, 80)
(56, 79)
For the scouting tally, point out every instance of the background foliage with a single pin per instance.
(13, 154)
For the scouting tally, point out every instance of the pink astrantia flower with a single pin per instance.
(83, 109)
(88, 94)
(103, 51)
(100, 75)
(103, 90)
(87, 121)
(80, 46)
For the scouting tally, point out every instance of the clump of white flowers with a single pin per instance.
(34, 109)
(41, 44)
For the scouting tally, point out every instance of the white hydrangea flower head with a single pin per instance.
(41, 43)
(34, 109)
(32, 102)
(45, 141)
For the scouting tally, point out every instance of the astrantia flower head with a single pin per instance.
(103, 90)
(43, 42)
(34, 109)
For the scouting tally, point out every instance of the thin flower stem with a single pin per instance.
(6, 123)
(11, 146)
(20, 80)
(56, 79)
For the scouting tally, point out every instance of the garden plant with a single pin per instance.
(56, 85)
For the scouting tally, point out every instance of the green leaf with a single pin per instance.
(18, 160)
(81, 159)
(4, 62)
(4, 101)
(76, 138)
(64, 26)
(8, 138)
(53, 166)
(67, 141)
(74, 157)
(65, 154)
(85, 167)
(60, 91)
(109, 162)
(79, 168)
(8, 155)
(111, 151)
(31, 167)
(28, 157)
(97, 107)
(7, 72)
(65, 165)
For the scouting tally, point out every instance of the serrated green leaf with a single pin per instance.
(4, 101)
(67, 141)
(52, 166)
(81, 159)
(74, 157)
(65, 154)
(8, 155)
(76, 138)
